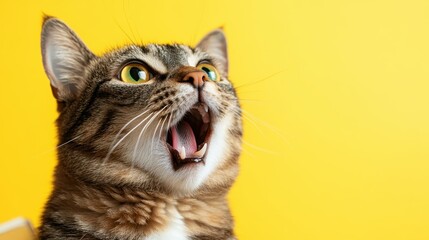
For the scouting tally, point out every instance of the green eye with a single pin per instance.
(135, 73)
(211, 71)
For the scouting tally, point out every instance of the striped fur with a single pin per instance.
(115, 181)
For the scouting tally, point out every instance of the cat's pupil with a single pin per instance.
(137, 74)
(210, 73)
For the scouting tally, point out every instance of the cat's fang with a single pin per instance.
(182, 153)
(200, 153)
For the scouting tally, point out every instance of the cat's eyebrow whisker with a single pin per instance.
(128, 22)
(123, 31)
(144, 128)
(128, 133)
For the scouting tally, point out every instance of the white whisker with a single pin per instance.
(128, 133)
(162, 127)
(153, 136)
(160, 131)
(169, 121)
(60, 145)
(258, 81)
(143, 129)
(126, 125)
(260, 148)
(69, 141)
(244, 115)
(265, 124)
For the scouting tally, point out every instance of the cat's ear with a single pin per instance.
(64, 58)
(215, 45)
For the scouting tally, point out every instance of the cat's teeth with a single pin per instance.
(206, 108)
(201, 152)
(182, 153)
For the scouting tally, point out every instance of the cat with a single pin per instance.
(149, 139)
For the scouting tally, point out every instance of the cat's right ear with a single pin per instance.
(64, 59)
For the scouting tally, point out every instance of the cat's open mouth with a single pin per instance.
(188, 139)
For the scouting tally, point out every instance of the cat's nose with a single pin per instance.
(196, 78)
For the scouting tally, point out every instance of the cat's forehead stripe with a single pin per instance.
(153, 62)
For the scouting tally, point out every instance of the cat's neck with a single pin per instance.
(107, 210)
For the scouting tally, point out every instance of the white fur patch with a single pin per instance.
(176, 229)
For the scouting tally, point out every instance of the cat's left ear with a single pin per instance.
(65, 57)
(215, 45)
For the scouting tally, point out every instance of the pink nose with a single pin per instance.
(197, 78)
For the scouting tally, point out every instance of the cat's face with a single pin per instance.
(167, 112)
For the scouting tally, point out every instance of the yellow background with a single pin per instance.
(335, 93)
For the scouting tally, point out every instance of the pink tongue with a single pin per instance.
(183, 135)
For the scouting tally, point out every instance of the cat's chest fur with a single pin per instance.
(175, 229)
(85, 212)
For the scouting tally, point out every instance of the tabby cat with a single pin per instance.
(149, 139)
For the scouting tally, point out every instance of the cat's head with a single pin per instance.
(156, 115)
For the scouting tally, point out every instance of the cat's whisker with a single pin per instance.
(60, 145)
(69, 141)
(123, 31)
(256, 121)
(162, 127)
(125, 126)
(153, 136)
(160, 131)
(169, 121)
(143, 129)
(259, 148)
(246, 151)
(128, 133)
(265, 124)
(141, 133)
(258, 81)
(244, 115)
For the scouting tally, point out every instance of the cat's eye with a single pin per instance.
(211, 71)
(135, 73)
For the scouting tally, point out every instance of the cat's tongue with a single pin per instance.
(184, 138)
